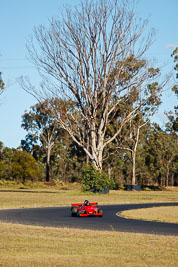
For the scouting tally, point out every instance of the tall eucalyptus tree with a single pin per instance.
(90, 57)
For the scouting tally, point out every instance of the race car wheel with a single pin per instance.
(79, 212)
(74, 212)
(100, 211)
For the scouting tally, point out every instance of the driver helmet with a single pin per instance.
(86, 203)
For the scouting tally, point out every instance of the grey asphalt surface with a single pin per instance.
(61, 217)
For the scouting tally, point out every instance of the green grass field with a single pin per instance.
(39, 246)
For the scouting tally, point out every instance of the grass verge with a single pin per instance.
(46, 197)
(37, 246)
(160, 214)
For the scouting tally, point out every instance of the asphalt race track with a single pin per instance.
(61, 217)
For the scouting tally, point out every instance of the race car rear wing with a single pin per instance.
(80, 204)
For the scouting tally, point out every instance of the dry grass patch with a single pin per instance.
(37, 246)
(19, 198)
(161, 214)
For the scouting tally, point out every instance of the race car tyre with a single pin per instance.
(79, 212)
(74, 212)
(100, 211)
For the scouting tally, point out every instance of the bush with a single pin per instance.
(24, 167)
(94, 179)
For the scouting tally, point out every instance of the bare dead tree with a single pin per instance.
(81, 54)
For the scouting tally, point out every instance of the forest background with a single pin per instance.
(142, 152)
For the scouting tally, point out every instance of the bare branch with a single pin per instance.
(93, 57)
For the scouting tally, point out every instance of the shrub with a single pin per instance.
(24, 166)
(95, 179)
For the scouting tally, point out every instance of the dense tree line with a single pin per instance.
(92, 120)
(155, 163)
(16, 165)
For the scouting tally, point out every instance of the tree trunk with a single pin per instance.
(167, 175)
(47, 172)
(98, 158)
(109, 170)
(48, 163)
(161, 180)
(172, 179)
(97, 147)
(133, 167)
(87, 157)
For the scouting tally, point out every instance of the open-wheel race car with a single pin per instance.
(86, 209)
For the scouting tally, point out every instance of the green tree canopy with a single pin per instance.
(24, 167)
(42, 128)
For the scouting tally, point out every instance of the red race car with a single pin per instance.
(86, 209)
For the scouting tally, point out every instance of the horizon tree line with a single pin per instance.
(98, 93)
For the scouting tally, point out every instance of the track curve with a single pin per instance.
(61, 217)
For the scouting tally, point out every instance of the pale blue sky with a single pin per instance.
(17, 20)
